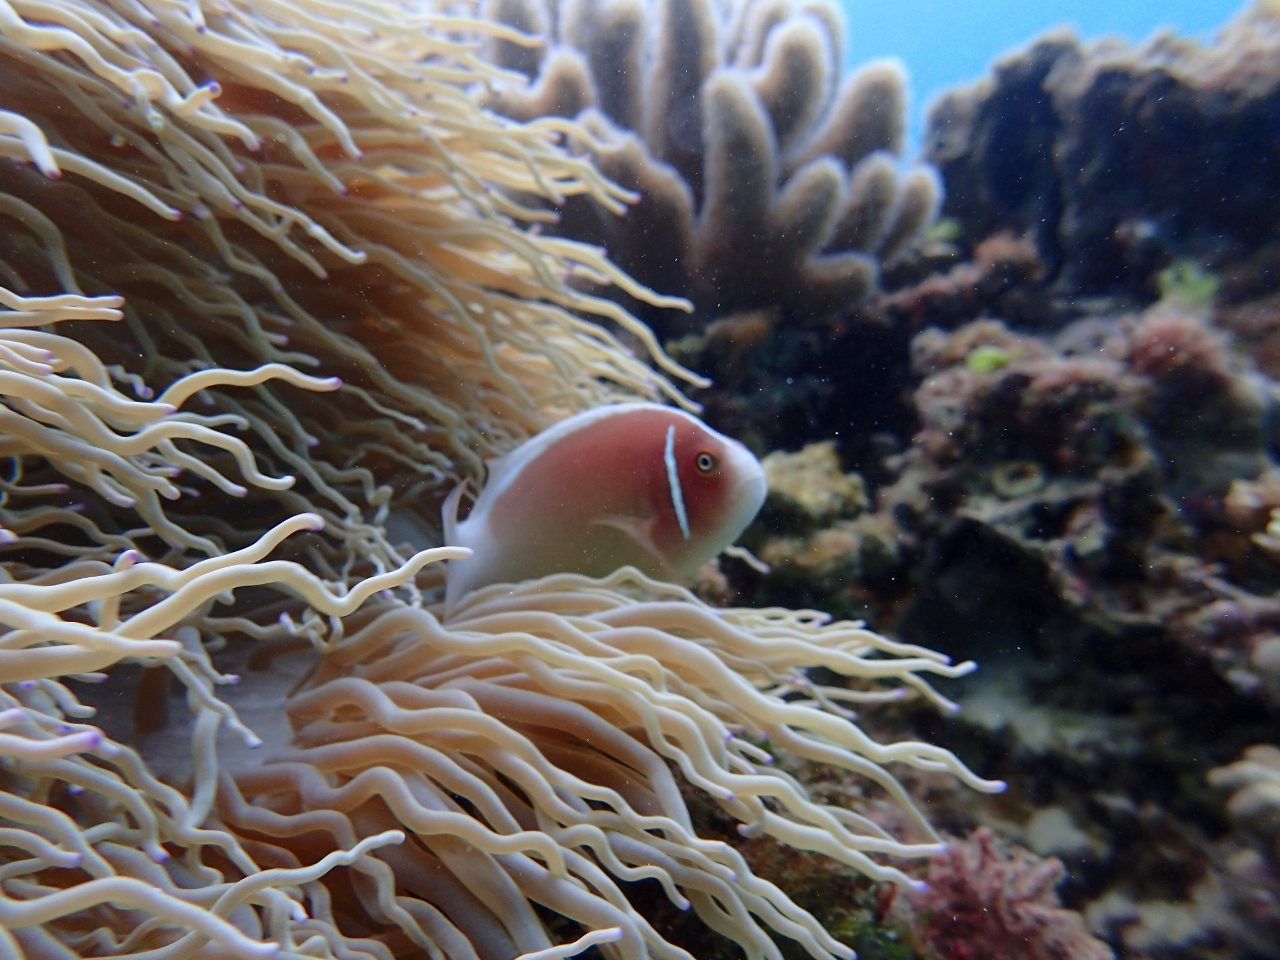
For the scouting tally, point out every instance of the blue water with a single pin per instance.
(945, 43)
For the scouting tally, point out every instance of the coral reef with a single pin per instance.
(810, 485)
(1115, 455)
(819, 529)
(1064, 417)
(1117, 159)
(233, 720)
(783, 385)
(1252, 865)
(764, 179)
(1090, 514)
(983, 901)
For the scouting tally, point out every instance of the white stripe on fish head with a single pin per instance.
(673, 482)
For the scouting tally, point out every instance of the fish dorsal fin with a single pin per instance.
(449, 514)
(495, 468)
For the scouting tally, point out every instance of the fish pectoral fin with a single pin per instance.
(637, 529)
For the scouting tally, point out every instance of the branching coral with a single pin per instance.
(764, 179)
(230, 722)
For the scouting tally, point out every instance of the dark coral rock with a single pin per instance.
(1118, 158)
(778, 384)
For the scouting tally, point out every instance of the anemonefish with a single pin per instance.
(634, 484)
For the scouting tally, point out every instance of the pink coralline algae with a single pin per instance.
(983, 900)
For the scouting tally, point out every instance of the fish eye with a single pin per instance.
(706, 462)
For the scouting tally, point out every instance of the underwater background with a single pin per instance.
(946, 46)
(1054, 474)
(996, 670)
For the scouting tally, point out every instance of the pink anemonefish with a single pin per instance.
(634, 484)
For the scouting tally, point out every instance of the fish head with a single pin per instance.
(713, 487)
